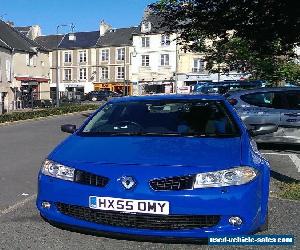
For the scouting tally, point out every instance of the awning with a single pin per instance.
(32, 79)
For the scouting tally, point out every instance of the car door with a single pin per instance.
(290, 115)
(261, 108)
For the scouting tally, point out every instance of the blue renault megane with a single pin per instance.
(178, 166)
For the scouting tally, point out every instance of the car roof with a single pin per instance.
(168, 97)
(255, 90)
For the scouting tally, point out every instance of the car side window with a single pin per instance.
(265, 99)
(293, 99)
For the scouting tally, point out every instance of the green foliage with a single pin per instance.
(250, 36)
(290, 191)
(17, 116)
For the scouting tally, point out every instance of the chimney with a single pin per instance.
(104, 27)
(35, 31)
(10, 23)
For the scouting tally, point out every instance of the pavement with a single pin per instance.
(23, 146)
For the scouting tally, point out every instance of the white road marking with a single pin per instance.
(274, 153)
(294, 158)
(17, 205)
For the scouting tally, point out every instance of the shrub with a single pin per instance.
(17, 116)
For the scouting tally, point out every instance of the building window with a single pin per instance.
(82, 56)
(145, 60)
(8, 70)
(146, 27)
(82, 74)
(198, 65)
(104, 55)
(68, 74)
(121, 54)
(165, 40)
(164, 60)
(68, 57)
(145, 42)
(120, 73)
(0, 70)
(104, 73)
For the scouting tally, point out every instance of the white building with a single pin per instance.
(154, 59)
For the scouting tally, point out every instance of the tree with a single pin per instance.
(252, 35)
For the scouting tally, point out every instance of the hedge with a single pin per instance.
(17, 116)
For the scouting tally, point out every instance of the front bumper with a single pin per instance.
(245, 201)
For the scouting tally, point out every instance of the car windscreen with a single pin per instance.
(163, 118)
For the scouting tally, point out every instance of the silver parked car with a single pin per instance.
(280, 106)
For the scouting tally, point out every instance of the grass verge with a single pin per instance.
(289, 190)
(18, 116)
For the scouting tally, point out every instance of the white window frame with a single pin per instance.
(8, 70)
(104, 53)
(145, 42)
(164, 60)
(82, 57)
(165, 40)
(120, 74)
(68, 76)
(0, 69)
(145, 60)
(69, 57)
(83, 76)
(120, 54)
(198, 65)
(146, 26)
(106, 77)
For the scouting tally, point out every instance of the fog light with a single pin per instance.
(46, 204)
(235, 221)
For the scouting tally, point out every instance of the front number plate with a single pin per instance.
(129, 206)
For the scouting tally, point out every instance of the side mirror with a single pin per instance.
(263, 129)
(68, 128)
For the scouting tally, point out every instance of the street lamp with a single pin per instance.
(57, 61)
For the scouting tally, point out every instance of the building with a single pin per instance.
(113, 58)
(30, 32)
(191, 69)
(28, 77)
(73, 55)
(154, 60)
(5, 75)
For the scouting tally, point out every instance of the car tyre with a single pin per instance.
(265, 226)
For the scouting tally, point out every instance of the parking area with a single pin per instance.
(23, 147)
(284, 160)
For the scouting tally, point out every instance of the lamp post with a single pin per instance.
(57, 60)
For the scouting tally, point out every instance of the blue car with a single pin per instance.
(173, 166)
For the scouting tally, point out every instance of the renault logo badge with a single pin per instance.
(128, 182)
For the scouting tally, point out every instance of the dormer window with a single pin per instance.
(146, 27)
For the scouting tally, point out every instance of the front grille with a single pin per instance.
(86, 178)
(140, 221)
(173, 183)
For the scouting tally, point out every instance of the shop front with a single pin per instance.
(115, 87)
(31, 89)
(156, 87)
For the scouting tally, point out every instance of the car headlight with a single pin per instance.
(57, 170)
(223, 178)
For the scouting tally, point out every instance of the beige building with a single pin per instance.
(87, 61)
(113, 60)
(73, 57)
(29, 69)
(5, 75)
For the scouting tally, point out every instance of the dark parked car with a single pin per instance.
(101, 95)
(225, 86)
